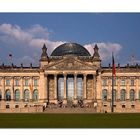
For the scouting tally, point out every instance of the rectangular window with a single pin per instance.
(7, 82)
(26, 82)
(16, 106)
(104, 82)
(35, 82)
(7, 106)
(123, 82)
(132, 106)
(16, 82)
(132, 82)
(123, 106)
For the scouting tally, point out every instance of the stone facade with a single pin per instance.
(69, 80)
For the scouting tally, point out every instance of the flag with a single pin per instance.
(113, 66)
(10, 55)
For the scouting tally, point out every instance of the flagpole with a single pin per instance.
(113, 66)
(112, 106)
(10, 59)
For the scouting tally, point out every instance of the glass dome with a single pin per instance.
(70, 49)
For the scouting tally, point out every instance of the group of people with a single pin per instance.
(60, 104)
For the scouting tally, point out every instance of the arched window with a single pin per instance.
(17, 95)
(35, 95)
(104, 95)
(7, 95)
(132, 95)
(114, 94)
(26, 95)
(0, 95)
(123, 92)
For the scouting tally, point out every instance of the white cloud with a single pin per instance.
(105, 49)
(32, 39)
(38, 31)
(15, 32)
(35, 36)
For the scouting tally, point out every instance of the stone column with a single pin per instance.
(85, 87)
(46, 88)
(3, 88)
(94, 88)
(127, 88)
(22, 90)
(3, 93)
(137, 88)
(12, 88)
(109, 94)
(118, 89)
(75, 87)
(55, 87)
(31, 88)
(99, 91)
(65, 86)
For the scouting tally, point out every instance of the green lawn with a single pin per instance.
(69, 120)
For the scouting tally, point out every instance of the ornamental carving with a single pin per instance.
(71, 64)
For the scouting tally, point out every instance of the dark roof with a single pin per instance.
(70, 49)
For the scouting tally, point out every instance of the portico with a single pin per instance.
(70, 87)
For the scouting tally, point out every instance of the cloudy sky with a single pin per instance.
(23, 35)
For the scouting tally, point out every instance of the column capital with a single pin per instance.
(3, 77)
(65, 74)
(55, 75)
(46, 74)
(85, 74)
(31, 77)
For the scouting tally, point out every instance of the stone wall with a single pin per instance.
(36, 109)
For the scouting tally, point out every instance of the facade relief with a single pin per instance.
(72, 64)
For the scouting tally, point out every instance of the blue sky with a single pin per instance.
(23, 34)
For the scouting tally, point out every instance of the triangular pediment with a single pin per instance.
(70, 63)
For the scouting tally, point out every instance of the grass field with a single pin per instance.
(69, 120)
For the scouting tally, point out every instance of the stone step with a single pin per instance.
(70, 110)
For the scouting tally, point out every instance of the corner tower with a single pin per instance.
(96, 57)
(44, 57)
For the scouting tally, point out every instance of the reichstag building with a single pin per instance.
(70, 78)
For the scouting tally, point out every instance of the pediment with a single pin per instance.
(72, 64)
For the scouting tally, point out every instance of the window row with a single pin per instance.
(122, 95)
(17, 82)
(122, 82)
(26, 95)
